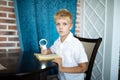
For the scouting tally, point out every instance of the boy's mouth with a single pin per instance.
(61, 31)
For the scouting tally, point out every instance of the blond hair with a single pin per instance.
(63, 13)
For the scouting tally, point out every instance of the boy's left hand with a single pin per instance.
(58, 61)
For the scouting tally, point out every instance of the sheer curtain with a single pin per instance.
(35, 21)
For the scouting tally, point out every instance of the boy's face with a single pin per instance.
(63, 26)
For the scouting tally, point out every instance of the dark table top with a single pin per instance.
(22, 63)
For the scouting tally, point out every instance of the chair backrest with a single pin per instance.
(91, 47)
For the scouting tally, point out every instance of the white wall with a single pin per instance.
(111, 60)
(100, 18)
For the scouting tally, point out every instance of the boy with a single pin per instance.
(72, 63)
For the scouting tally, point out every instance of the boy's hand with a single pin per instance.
(43, 51)
(59, 62)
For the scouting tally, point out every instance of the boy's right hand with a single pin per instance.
(43, 51)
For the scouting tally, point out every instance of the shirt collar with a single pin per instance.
(68, 38)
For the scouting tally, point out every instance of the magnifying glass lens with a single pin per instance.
(43, 42)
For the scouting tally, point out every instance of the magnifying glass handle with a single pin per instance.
(43, 47)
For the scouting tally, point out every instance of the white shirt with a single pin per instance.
(72, 53)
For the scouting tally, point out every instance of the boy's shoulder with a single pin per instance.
(76, 40)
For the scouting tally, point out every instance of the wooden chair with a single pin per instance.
(91, 47)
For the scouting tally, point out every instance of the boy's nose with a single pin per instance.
(61, 26)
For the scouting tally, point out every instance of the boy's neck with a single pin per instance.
(62, 38)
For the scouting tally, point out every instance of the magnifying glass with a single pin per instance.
(43, 43)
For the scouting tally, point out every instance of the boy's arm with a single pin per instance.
(49, 51)
(81, 68)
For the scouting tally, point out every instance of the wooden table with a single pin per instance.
(25, 66)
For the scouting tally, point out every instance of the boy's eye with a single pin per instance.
(57, 24)
(64, 24)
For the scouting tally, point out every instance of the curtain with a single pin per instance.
(35, 21)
